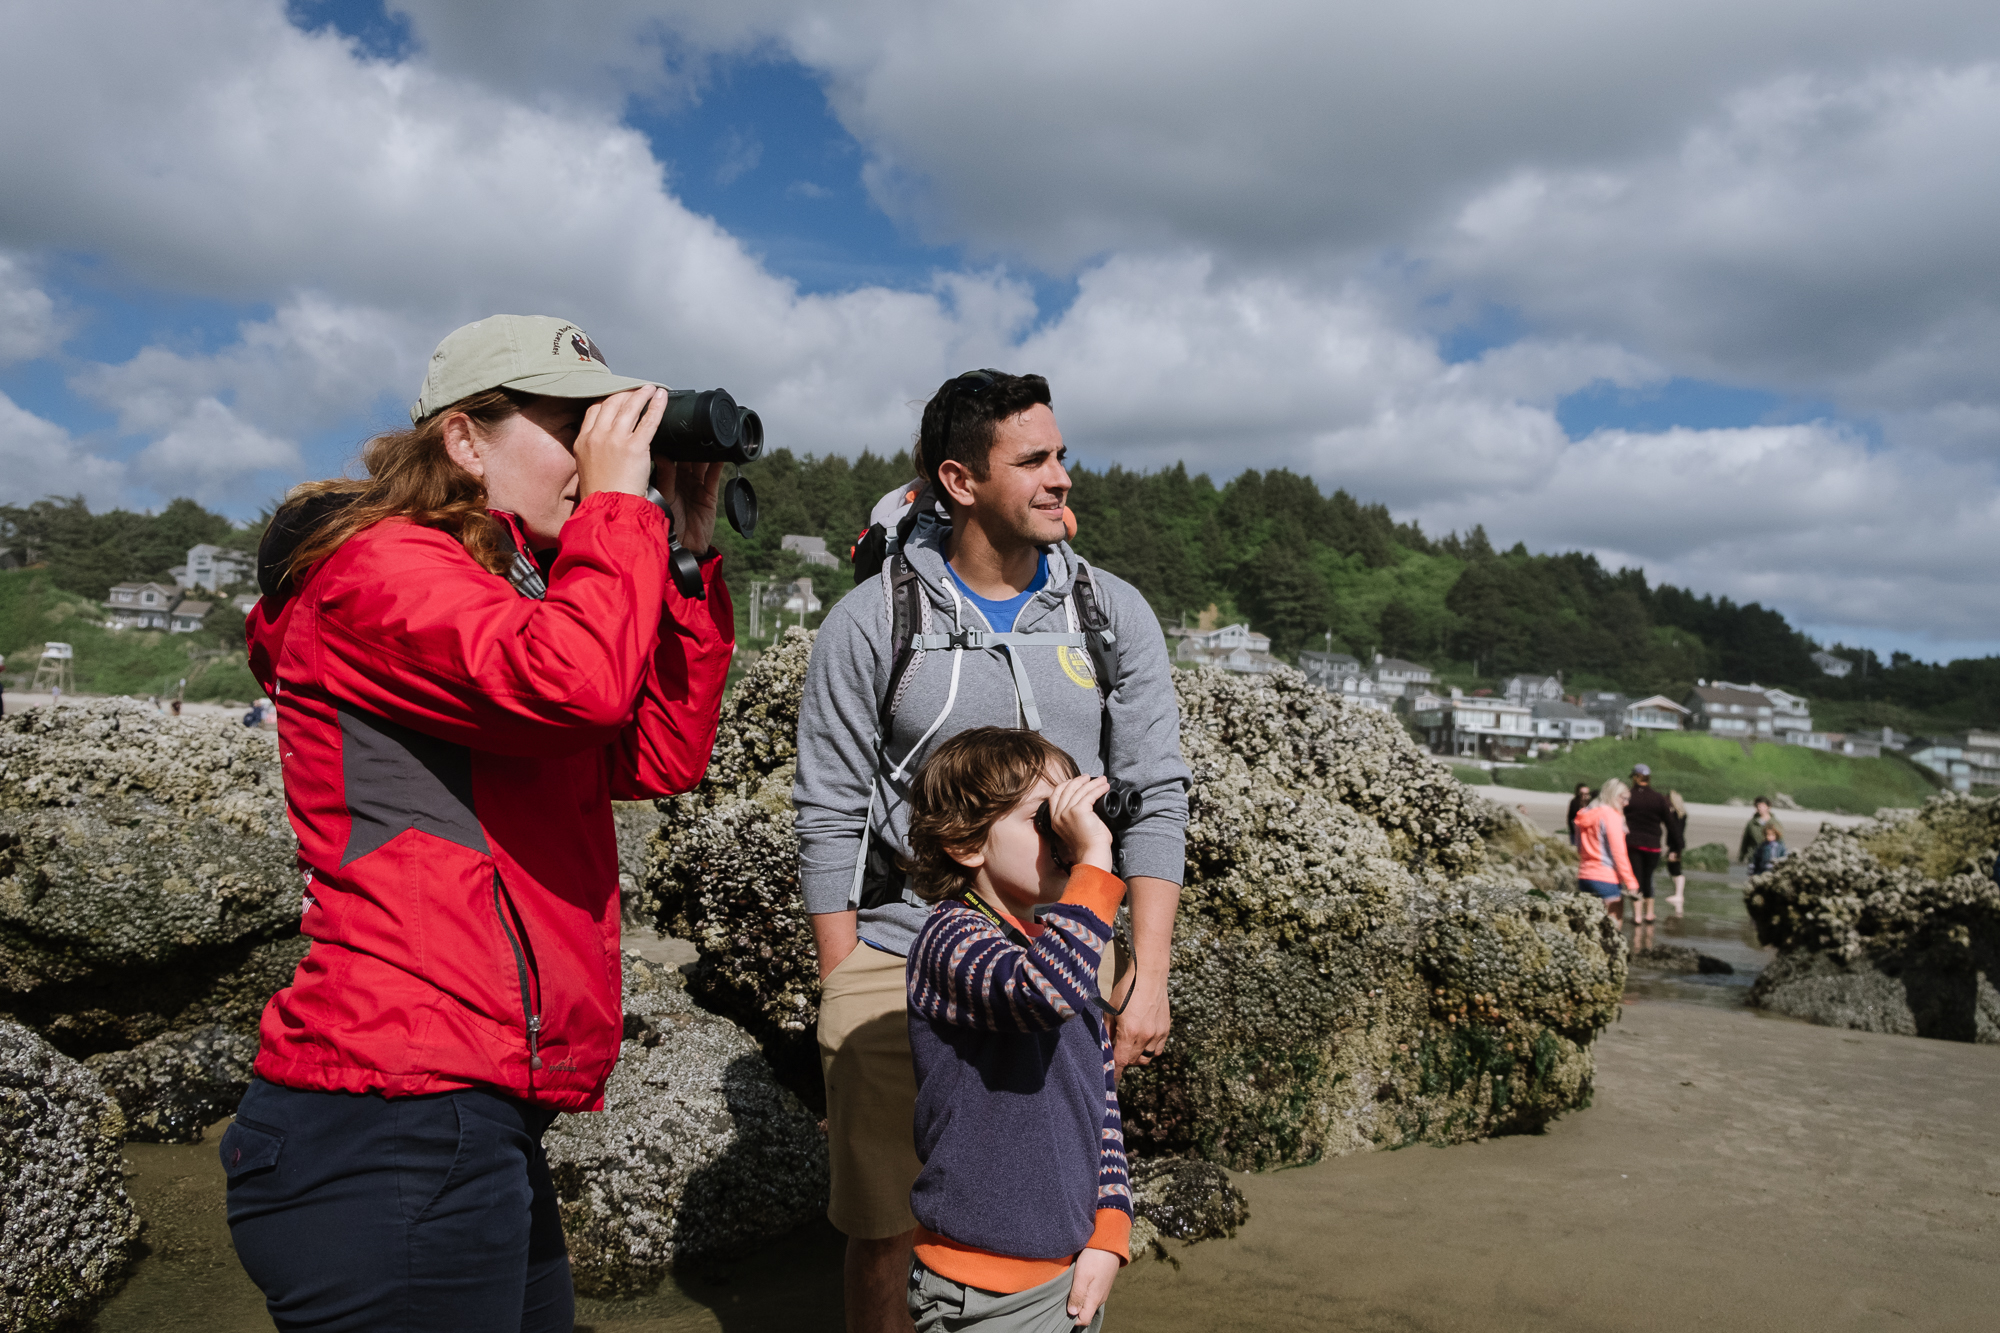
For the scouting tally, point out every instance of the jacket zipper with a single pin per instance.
(534, 1019)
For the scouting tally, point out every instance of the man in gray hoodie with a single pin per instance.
(991, 556)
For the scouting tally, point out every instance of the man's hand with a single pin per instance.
(1140, 1033)
(691, 490)
(835, 935)
(1095, 1270)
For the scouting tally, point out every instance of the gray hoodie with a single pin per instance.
(850, 669)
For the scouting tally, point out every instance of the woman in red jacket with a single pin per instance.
(474, 651)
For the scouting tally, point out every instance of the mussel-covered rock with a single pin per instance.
(1179, 1198)
(698, 1152)
(1367, 953)
(66, 1226)
(178, 1083)
(147, 878)
(1892, 926)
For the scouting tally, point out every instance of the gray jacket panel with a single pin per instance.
(850, 671)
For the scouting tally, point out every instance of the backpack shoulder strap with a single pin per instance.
(906, 617)
(1096, 624)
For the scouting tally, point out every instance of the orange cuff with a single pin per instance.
(1113, 1233)
(1099, 890)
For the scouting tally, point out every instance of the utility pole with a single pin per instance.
(756, 607)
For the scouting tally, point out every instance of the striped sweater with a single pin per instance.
(1017, 1121)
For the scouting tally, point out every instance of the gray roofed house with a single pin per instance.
(1725, 711)
(1828, 664)
(1529, 689)
(1555, 719)
(186, 617)
(141, 605)
(812, 550)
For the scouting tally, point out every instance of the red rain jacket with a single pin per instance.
(451, 750)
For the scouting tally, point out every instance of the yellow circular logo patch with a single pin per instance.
(1076, 665)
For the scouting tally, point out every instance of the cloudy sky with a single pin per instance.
(1707, 287)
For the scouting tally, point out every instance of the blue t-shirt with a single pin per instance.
(1000, 615)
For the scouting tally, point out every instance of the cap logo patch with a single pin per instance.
(580, 343)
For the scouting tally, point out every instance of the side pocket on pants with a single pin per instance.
(248, 1147)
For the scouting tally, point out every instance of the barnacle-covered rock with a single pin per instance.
(724, 872)
(177, 1084)
(146, 873)
(66, 1225)
(1892, 926)
(1180, 1198)
(1367, 952)
(697, 1153)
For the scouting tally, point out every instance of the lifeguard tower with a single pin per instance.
(53, 672)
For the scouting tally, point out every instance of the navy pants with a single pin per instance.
(354, 1211)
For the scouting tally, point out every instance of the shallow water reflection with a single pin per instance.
(1715, 922)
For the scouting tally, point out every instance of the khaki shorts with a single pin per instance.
(871, 1094)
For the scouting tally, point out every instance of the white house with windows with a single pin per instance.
(1393, 676)
(186, 617)
(141, 605)
(1559, 720)
(1837, 667)
(1323, 669)
(1531, 690)
(1235, 648)
(1657, 713)
(214, 568)
(1466, 727)
(1739, 714)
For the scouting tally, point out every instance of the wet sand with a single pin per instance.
(1736, 1171)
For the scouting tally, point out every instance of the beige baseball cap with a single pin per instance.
(531, 353)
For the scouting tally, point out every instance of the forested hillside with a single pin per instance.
(1311, 570)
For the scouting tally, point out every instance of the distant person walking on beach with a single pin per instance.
(1646, 823)
(1770, 851)
(1753, 832)
(1603, 867)
(1677, 841)
(1576, 804)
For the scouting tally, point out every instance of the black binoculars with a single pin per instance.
(707, 426)
(1118, 807)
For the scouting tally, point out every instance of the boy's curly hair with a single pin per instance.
(962, 790)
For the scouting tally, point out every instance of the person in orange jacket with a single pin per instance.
(1604, 869)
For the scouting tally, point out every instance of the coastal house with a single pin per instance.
(802, 601)
(1739, 714)
(1393, 676)
(1959, 764)
(1466, 727)
(186, 616)
(141, 605)
(1359, 691)
(1656, 713)
(1854, 747)
(214, 568)
(1324, 669)
(1531, 690)
(1235, 648)
(812, 550)
(1837, 667)
(1560, 720)
(1608, 707)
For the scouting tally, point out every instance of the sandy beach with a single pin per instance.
(1736, 1171)
(1706, 823)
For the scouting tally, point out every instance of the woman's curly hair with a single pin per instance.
(962, 790)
